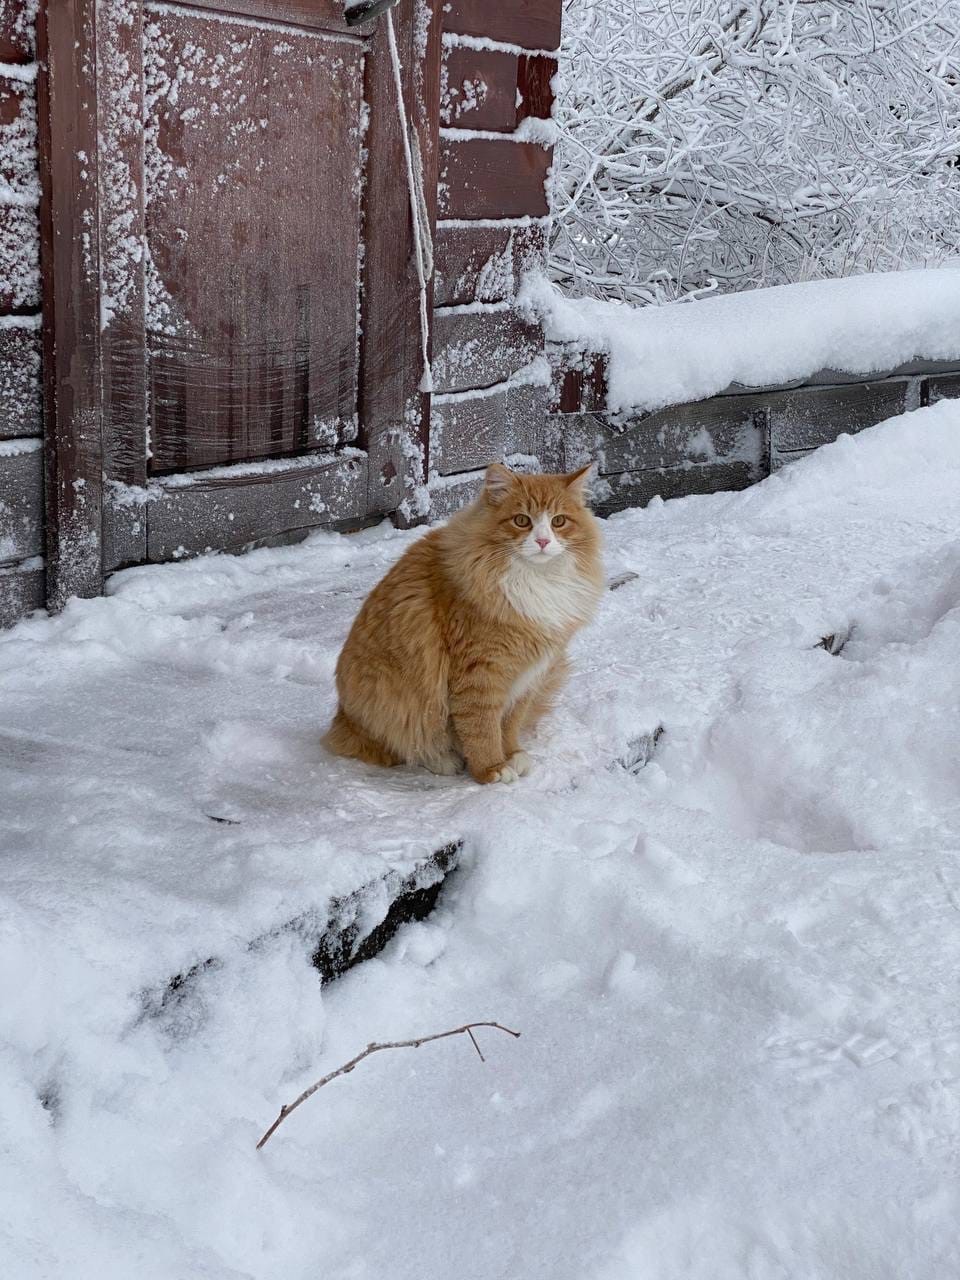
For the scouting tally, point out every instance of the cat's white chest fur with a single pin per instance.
(553, 595)
(528, 679)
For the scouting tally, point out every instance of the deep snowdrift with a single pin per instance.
(761, 337)
(735, 972)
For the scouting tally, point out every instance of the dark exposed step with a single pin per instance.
(351, 928)
(346, 940)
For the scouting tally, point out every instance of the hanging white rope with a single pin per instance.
(422, 239)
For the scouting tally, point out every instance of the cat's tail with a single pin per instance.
(345, 738)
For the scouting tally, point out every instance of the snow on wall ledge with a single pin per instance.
(689, 351)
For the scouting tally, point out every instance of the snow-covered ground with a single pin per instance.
(735, 971)
(760, 337)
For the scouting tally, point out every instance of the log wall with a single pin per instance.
(729, 441)
(490, 375)
(21, 472)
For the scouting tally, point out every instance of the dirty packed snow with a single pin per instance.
(761, 337)
(734, 969)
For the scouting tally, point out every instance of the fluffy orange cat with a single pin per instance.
(462, 646)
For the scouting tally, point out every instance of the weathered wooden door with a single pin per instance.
(231, 307)
(251, 177)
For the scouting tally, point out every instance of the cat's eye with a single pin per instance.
(522, 522)
(558, 521)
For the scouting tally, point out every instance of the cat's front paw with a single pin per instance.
(505, 772)
(520, 763)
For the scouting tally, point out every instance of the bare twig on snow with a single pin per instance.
(467, 1029)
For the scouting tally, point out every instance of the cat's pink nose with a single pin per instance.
(543, 543)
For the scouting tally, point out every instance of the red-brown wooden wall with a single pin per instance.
(498, 62)
(21, 482)
(477, 80)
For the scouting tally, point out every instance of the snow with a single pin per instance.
(454, 40)
(537, 129)
(19, 254)
(761, 337)
(21, 444)
(535, 374)
(734, 970)
(475, 308)
(532, 129)
(262, 467)
(19, 191)
(20, 322)
(26, 73)
(461, 99)
(466, 224)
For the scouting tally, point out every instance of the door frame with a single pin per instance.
(93, 293)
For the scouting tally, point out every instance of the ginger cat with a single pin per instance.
(462, 646)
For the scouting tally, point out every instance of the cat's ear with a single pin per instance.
(578, 482)
(497, 482)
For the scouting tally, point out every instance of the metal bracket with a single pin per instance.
(366, 10)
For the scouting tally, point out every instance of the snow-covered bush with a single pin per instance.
(734, 143)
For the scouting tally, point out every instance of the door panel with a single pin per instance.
(220, 178)
(252, 183)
